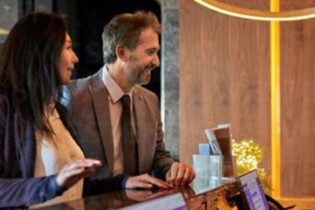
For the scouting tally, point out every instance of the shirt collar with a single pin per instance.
(115, 92)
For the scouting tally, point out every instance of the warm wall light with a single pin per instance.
(3, 31)
(273, 16)
(239, 12)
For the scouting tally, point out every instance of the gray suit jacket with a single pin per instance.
(87, 102)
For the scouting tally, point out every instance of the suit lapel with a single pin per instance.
(140, 116)
(101, 106)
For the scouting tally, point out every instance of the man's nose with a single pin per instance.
(156, 60)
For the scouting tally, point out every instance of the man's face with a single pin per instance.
(143, 59)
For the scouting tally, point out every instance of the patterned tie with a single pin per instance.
(128, 138)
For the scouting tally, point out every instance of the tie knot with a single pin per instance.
(125, 100)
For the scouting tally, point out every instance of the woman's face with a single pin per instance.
(67, 61)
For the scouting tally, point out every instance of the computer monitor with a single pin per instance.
(170, 202)
(252, 192)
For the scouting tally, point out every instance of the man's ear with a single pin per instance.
(121, 52)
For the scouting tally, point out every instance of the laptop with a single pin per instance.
(253, 195)
(170, 202)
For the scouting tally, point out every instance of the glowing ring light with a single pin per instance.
(239, 12)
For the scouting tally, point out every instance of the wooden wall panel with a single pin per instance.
(224, 77)
(297, 104)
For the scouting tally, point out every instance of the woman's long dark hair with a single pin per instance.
(29, 74)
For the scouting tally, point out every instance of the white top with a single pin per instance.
(52, 153)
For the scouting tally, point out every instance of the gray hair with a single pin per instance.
(125, 29)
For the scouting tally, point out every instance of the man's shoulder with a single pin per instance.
(82, 84)
(76, 89)
(145, 92)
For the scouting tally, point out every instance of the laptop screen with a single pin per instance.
(250, 185)
(170, 202)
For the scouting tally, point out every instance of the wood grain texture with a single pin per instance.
(224, 77)
(297, 104)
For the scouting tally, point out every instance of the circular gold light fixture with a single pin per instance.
(291, 15)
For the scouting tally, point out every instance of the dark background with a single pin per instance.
(85, 20)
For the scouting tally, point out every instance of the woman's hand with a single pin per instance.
(71, 173)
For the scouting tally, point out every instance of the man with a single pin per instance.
(131, 145)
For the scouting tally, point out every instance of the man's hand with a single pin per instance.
(71, 173)
(180, 174)
(145, 181)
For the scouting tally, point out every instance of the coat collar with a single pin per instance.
(99, 95)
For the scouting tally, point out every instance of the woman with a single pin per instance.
(39, 157)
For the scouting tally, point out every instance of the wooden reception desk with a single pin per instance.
(195, 198)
